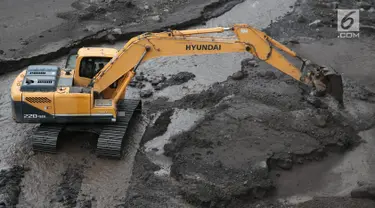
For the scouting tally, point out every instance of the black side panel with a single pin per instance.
(17, 111)
(83, 119)
(31, 114)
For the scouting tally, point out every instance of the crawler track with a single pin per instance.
(110, 141)
(45, 138)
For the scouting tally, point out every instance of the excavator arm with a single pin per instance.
(181, 43)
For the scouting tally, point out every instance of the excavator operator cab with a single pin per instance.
(88, 62)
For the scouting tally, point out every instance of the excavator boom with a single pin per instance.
(181, 43)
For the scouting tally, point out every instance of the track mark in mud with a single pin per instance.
(70, 186)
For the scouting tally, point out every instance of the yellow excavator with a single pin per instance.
(90, 90)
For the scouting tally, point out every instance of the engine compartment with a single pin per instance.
(40, 78)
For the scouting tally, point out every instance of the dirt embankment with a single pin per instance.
(260, 123)
(94, 22)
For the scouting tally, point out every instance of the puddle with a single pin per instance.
(336, 176)
(258, 14)
(307, 179)
(357, 165)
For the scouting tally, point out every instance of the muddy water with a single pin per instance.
(181, 120)
(356, 166)
(338, 175)
(335, 176)
(107, 180)
(258, 14)
(12, 137)
(213, 68)
(354, 58)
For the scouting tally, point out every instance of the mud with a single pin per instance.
(264, 124)
(151, 191)
(10, 189)
(93, 22)
(70, 186)
(251, 128)
(257, 132)
(318, 19)
(177, 79)
(159, 82)
(159, 127)
(331, 202)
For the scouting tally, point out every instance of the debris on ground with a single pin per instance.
(10, 189)
(159, 82)
(70, 186)
(238, 75)
(176, 79)
(145, 93)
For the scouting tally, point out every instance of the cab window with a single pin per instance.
(71, 62)
(91, 65)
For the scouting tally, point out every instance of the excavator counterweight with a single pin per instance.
(92, 88)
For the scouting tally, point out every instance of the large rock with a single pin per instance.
(156, 18)
(155, 81)
(249, 62)
(162, 82)
(146, 93)
(270, 75)
(140, 78)
(238, 75)
(321, 120)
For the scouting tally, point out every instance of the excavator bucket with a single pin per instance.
(326, 81)
(335, 87)
(332, 82)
